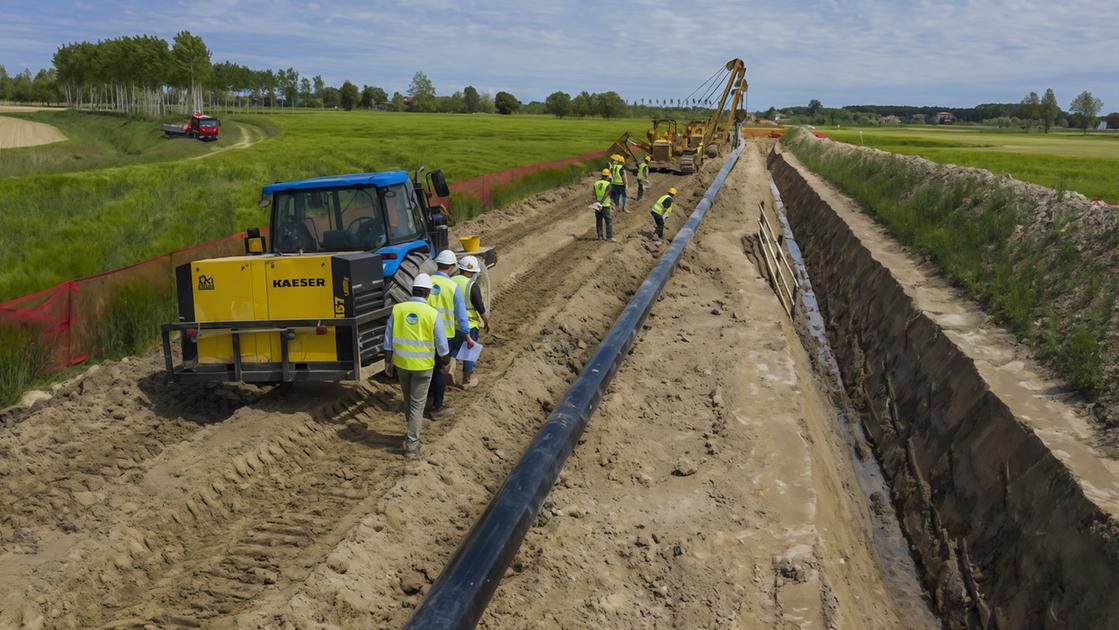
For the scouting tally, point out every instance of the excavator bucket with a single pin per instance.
(621, 147)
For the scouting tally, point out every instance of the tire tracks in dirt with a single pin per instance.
(132, 502)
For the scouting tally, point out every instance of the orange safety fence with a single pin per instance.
(66, 317)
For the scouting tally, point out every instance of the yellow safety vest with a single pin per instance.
(601, 188)
(643, 171)
(616, 174)
(471, 313)
(413, 336)
(659, 208)
(442, 298)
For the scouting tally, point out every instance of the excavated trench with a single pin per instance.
(1009, 510)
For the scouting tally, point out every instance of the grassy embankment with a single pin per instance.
(95, 140)
(1040, 280)
(1062, 160)
(55, 227)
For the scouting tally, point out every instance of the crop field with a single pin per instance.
(98, 219)
(1064, 160)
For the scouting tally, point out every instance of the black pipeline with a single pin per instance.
(459, 596)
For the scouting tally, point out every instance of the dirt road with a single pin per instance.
(125, 501)
(713, 489)
(249, 133)
(16, 132)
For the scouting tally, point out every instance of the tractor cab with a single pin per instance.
(385, 213)
(314, 304)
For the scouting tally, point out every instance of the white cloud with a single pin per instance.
(855, 51)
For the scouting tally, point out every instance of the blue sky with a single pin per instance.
(841, 52)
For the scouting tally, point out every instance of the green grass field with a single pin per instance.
(54, 227)
(103, 140)
(1065, 160)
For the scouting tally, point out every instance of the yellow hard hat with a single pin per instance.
(672, 191)
(605, 171)
(648, 158)
(617, 158)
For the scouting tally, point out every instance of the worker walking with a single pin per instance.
(617, 181)
(447, 298)
(643, 176)
(467, 280)
(661, 209)
(414, 338)
(602, 212)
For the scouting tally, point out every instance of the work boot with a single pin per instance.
(442, 413)
(468, 381)
(612, 239)
(413, 450)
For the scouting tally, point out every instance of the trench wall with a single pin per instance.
(1002, 530)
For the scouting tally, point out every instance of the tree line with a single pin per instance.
(1044, 111)
(25, 88)
(149, 76)
(1033, 111)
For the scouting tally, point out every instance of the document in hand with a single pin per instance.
(466, 353)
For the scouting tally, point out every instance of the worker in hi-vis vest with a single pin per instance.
(449, 299)
(661, 209)
(602, 210)
(618, 182)
(467, 280)
(643, 176)
(414, 338)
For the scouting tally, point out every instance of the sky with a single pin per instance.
(842, 52)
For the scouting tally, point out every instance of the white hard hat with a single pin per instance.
(422, 281)
(469, 263)
(446, 257)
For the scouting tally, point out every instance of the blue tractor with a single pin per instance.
(310, 301)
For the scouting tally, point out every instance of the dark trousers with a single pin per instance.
(640, 189)
(468, 366)
(617, 194)
(659, 221)
(603, 216)
(438, 378)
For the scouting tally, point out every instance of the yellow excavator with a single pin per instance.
(683, 151)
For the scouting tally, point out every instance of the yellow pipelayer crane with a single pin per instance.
(715, 135)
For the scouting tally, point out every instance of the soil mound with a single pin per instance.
(16, 132)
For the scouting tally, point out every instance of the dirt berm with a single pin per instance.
(1006, 503)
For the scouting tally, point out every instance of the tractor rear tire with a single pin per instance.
(400, 286)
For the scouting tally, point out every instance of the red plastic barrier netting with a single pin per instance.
(65, 316)
(482, 186)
